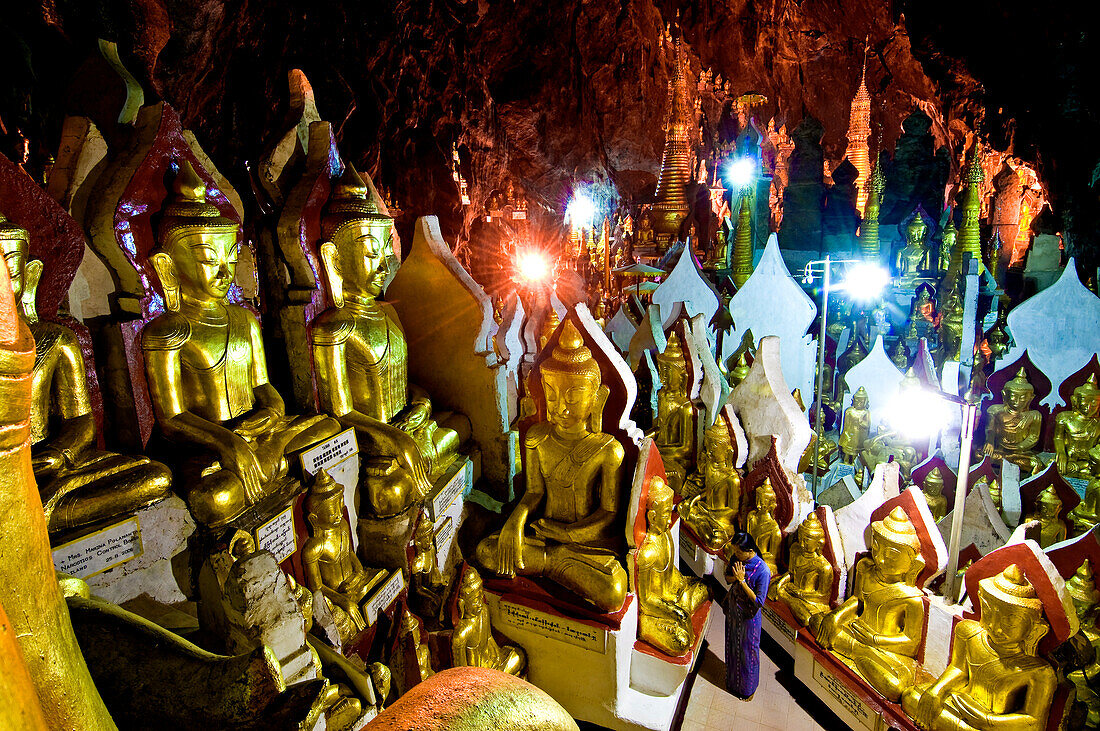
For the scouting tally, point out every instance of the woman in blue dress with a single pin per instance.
(748, 577)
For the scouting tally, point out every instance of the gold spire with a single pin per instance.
(970, 236)
(672, 206)
(742, 244)
(868, 229)
(859, 132)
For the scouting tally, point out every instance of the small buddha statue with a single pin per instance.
(666, 599)
(922, 315)
(472, 643)
(1085, 676)
(645, 238)
(1076, 431)
(675, 420)
(1086, 513)
(427, 586)
(994, 680)
(328, 561)
(361, 358)
(207, 371)
(947, 244)
(410, 640)
(951, 326)
(740, 369)
(855, 353)
(878, 629)
(900, 355)
(763, 527)
(932, 487)
(79, 485)
(808, 583)
(574, 474)
(912, 261)
(857, 426)
(886, 445)
(1012, 428)
(997, 338)
(1048, 511)
(712, 514)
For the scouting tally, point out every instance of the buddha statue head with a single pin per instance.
(860, 400)
(196, 255)
(471, 600)
(716, 439)
(410, 627)
(671, 364)
(1012, 612)
(1082, 591)
(658, 513)
(915, 230)
(15, 243)
(356, 240)
(325, 502)
(895, 547)
(1018, 393)
(1086, 398)
(948, 235)
(811, 536)
(765, 496)
(571, 383)
(1049, 505)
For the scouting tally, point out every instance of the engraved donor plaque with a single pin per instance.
(277, 536)
(549, 625)
(99, 551)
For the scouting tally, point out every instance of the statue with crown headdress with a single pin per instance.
(207, 370)
(568, 524)
(1077, 430)
(361, 358)
(1013, 428)
(1085, 645)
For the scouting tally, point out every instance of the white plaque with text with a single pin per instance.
(277, 536)
(549, 625)
(330, 453)
(385, 596)
(450, 492)
(95, 553)
(849, 701)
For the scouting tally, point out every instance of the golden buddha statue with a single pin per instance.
(900, 356)
(206, 368)
(740, 369)
(808, 583)
(361, 358)
(78, 484)
(994, 680)
(410, 637)
(932, 487)
(763, 527)
(947, 245)
(878, 629)
(1082, 591)
(857, 426)
(951, 326)
(574, 471)
(856, 352)
(674, 430)
(912, 261)
(427, 586)
(472, 643)
(1012, 428)
(886, 445)
(645, 238)
(1086, 513)
(666, 598)
(711, 514)
(328, 561)
(922, 316)
(1076, 431)
(1048, 509)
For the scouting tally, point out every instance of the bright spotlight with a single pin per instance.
(532, 266)
(918, 413)
(865, 282)
(741, 172)
(581, 211)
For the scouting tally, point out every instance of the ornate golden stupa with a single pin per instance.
(859, 132)
(671, 207)
(742, 244)
(868, 229)
(970, 236)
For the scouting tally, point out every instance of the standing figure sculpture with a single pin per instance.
(857, 426)
(763, 527)
(712, 513)
(472, 643)
(573, 473)
(207, 371)
(807, 586)
(1077, 430)
(79, 484)
(1013, 428)
(361, 358)
(675, 427)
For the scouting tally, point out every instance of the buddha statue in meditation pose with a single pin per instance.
(1076, 431)
(328, 561)
(675, 421)
(1085, 675)
(78, 484)
(1087, 512)
(1048, 511)
(573, 474)
(1013, 429)
(922, 317)
(808, 583)
(994, 680)
(932, 487)
(763, 527)
(472, 643)
(361, 358)
(666, 599)
(711, 513)
(878, 629)
(913, 259)
(207, 371)
(857, 426)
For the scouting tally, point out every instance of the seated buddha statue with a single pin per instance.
(573, 475)
(1085, 674)
(878, 628)
(361, 359)
(857, 426)
(763, 527)
(808, 583)
(207, 371)
(675, 420)
(1012, 428)
(712, 513)
(913, 259)
(472, 642)
(427, 585)
(886, 445)
(740, 369)
(666, 598)
(329, 562)
(932, 487)
(1048, 511)
(994, 680)
(1086, 514)
(951, 327)
(1076, 431)
(900, 356)
(78, 484)
(922, 315)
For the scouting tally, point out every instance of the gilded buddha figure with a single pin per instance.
(913, 259)
(922, 316)
(79, 484)
(410, 638)
(994, 680)
(427, 586)
(1087, 512)
(1048, 511)
(808, 583)
(1013, 429)
(951, 327)
(878, 629)
(666, 599)
(1076, 431)
(573, 473)
(472, 643)
(932, 487)
(763, 527)
(329, 561)
(206, 368)
(711, 514)
(1085, 676)
(857, 426)
(900, 356)
(361, 358)
(740, 369)
(675, 419)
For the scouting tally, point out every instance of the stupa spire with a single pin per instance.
(671, 206)
(859, 133)
(970, 235)
(742, 244)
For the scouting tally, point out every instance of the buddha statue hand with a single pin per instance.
(50, 460)
(257, 422)
(510, 548)
(239, 458)
(929, 709)
(415, 416)
(393, 440)
(551, 530)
